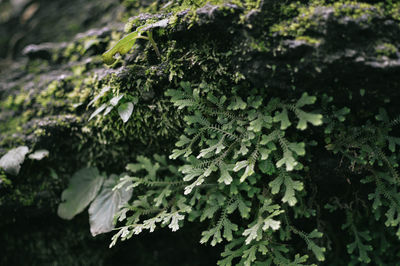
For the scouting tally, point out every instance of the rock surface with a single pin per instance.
(52, 69)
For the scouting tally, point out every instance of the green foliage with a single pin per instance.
(83, 188)
(243, 173)
(88, 186)
(270, 167)
(106, 204)
(238, 162)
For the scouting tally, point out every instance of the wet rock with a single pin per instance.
(43, 51)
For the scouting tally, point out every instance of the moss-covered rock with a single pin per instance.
(345, 49)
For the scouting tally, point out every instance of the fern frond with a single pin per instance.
(217, 129)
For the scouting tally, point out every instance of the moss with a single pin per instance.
(386, 49)
(20, 99)
(36, 66)
(309, 40)
(4, 181)
(394, 10)
(355, 10)
(308, 15)
(78, 70)
(299, 25)
(46, 96)
(7, 103)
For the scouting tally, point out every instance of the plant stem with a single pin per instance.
(150, 38)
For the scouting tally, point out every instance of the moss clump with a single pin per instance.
(309, 40)
(309, 17)
(386, 49)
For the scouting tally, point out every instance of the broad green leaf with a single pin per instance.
(12, 160)
(106, 205)
(125, 111)
(122, 47)
(39, 155)
(82, 189)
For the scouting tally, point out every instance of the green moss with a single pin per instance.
(355, 10)
(4, 181)
(36, 66)
(46, 96)
(7, 103)
(20, 99)
(386, 49)
(307, 17)
(394, 10)
(309, 40)
(68, 52)
(78, 69)
(299, 25)
(14, 124)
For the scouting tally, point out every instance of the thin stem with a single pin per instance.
(150, 38)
